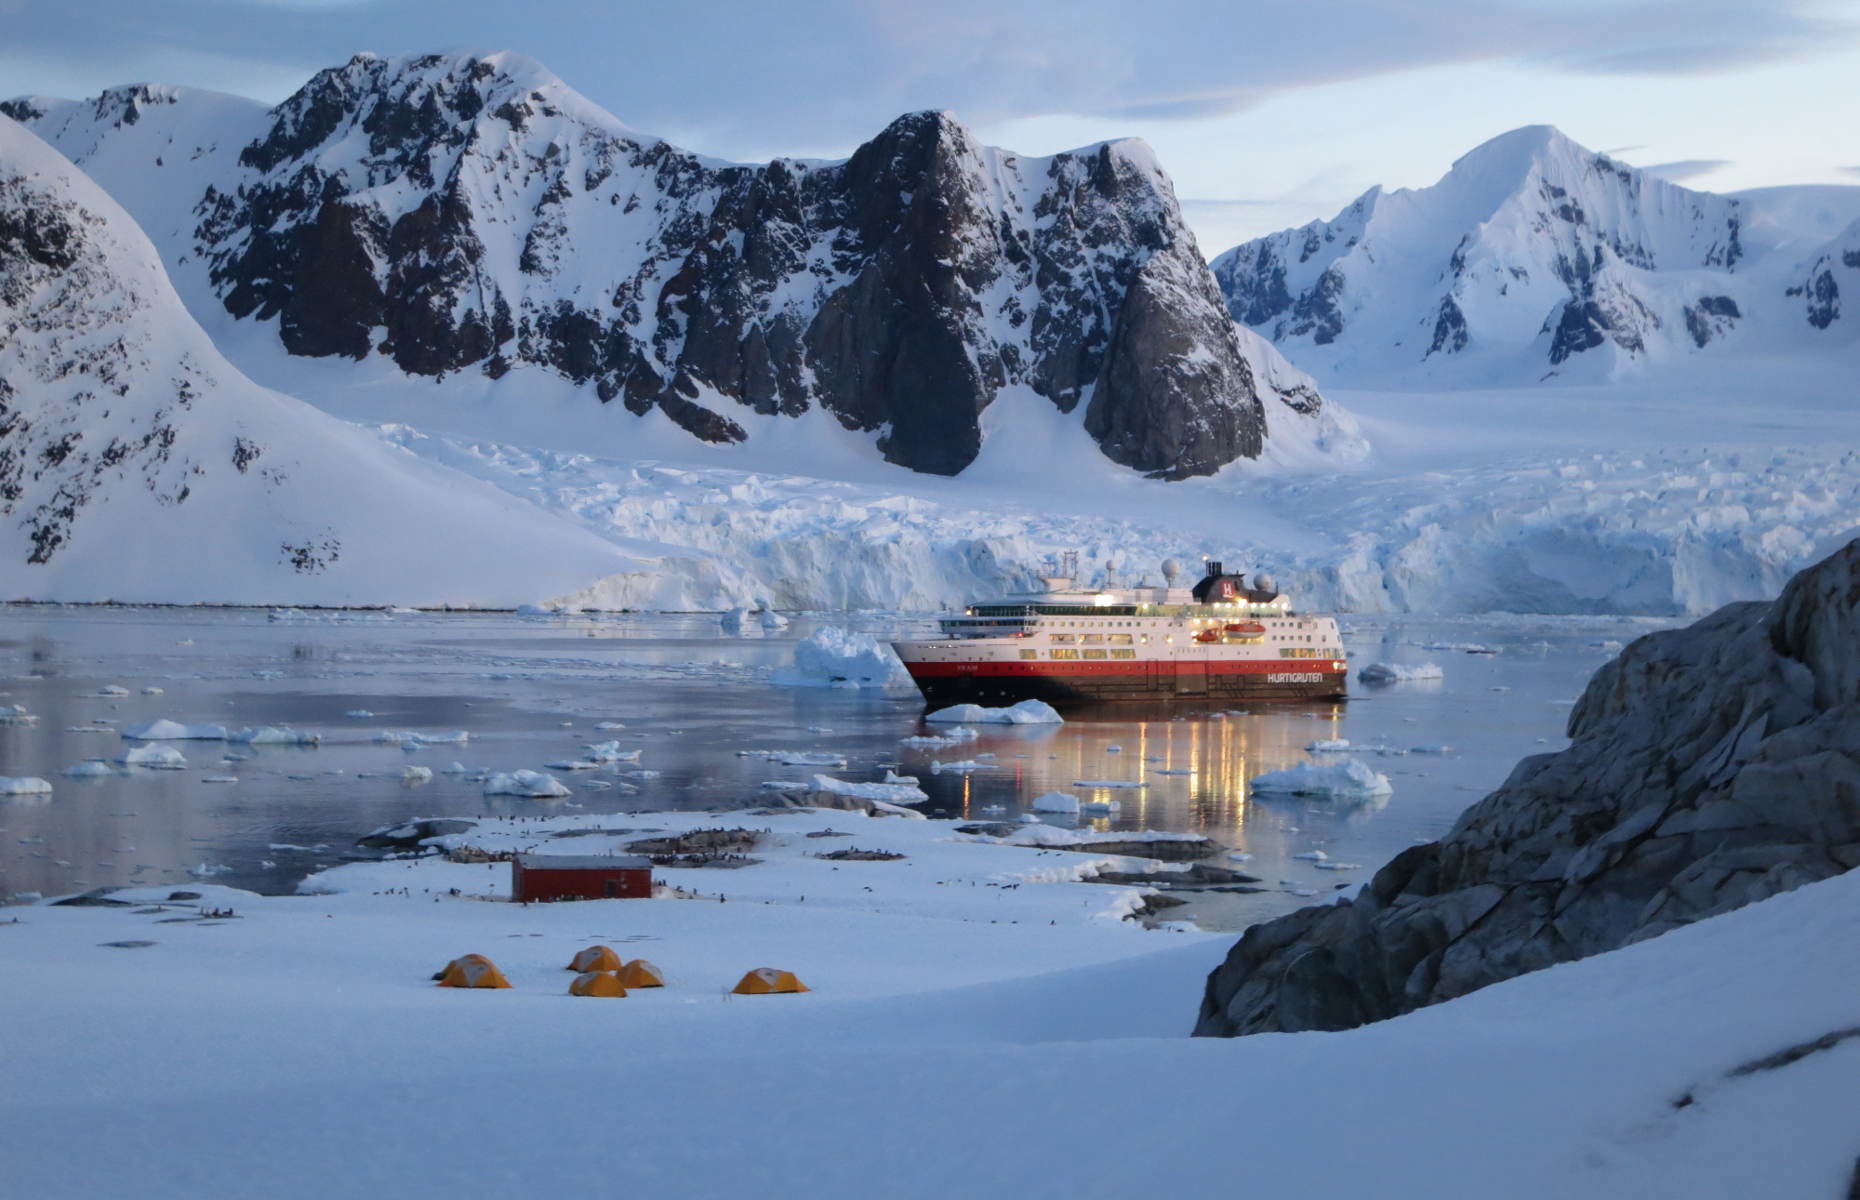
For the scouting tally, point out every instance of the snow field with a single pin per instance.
(1559, 1083)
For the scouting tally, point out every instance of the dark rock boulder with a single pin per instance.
(1710, 767)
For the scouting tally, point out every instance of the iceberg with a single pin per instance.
(273, 735)
(1386, 673)
(534, 784)
(1027, 712)
(166, 758)
(24, 785)
(1348, 777)
(835, 657)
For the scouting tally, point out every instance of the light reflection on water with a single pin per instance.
(530, 690)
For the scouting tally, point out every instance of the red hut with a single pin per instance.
(580, 877)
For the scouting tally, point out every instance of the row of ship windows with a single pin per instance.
(1288, 652)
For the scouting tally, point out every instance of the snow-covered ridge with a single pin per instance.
(1532, 258)
(466, 212)
(136, 463)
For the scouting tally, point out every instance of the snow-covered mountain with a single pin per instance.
(462, 213)
(136, 463)
(1533, 258)
(1820, 286)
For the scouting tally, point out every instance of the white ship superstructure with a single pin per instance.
(1219, 639)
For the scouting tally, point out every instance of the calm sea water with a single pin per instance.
(530, 690)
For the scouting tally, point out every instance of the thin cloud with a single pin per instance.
(1685, 168)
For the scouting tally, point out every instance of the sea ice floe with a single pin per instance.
(1328, 746)
(155, 691)
(90, 768)
(1317, 856)
(416, 774)
(959, 765)
(885, 793)
(610, 752)
(24, 785)
(113, 690)
(164, 730)
(1027, 712)
(412, 739)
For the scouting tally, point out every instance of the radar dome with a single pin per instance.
(1171, 569)
(1264, 582)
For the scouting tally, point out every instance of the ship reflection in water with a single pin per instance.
(1163, 768)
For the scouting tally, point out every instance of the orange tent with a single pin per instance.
(764, 981)
(595, 958)
(596, 983)
(472, 971)
(641, 974)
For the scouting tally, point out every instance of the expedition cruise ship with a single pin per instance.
(1219, 640)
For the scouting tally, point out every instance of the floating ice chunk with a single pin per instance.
(1339, 866)
(164, 730)
(734, 621)
(1100, 808)
(1348, 777)
(811, 758)
(1239, 856)
(770, 619)
(155, 691)
(783, 785)
(113, 689)
(267, 673)
(1027, 712)
(412, 739)
(206, 869)
(359, 713)
(1328, 746)
(24, 785)
(1174, 771)
(609, 752)
(1316, 856)
(1384, 673)
(1113, 749)
(835, 657)
(525, 783)
(457, 768)
(884, 793)
(90, 768)
(959, 765)
(646, 774)
(219, 779)
(16, 714)
(416, 774)
(1056, 802)
(166, 758)
(275, 735)
(573, 764)
(893, 777)
(605, 726)
(1109, 783)
(1439, 749)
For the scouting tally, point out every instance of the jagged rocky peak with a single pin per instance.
(1530, 252)
(1709, 767)
(466, 212)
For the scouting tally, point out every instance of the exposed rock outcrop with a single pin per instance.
(473, 213)
(1711, 767)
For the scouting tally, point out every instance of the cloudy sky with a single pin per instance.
(1268, 113)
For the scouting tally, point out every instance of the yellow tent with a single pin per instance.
(596, 983)
(472, 971)
(640, 973)
(595, 958)
(765, 981)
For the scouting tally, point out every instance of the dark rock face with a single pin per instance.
(1711, 317)
(459, 213)
(1821, 289)
(1710, 767)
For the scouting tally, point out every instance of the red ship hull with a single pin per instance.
(1112, 682)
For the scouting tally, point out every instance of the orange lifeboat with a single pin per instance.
(1247, 628)
(1207, 635)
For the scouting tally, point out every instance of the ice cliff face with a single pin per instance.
(463, 213)
(1532, 258)
(136, 463)
(1710, 767)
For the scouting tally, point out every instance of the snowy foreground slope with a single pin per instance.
(1536, 259)
(944, 1051)
(136, 463)
(464, 214)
